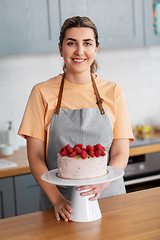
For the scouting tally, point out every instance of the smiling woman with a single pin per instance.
(79, 22)
(78, 51)
(75, 107)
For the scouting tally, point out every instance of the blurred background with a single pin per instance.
(129, 36)
(129, 54)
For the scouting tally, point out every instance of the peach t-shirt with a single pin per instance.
(43, 99)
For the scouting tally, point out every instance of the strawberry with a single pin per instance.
(102, 153)
(70, 149)
(68, 145)
(83, 149)
(83, 154)
(98, 146)
(91, 153)
(64, 153)
(94, 148)
(89, 148)
(97, 153)
(73, 154)
(80, 145)
(78, 150)
(62, 149)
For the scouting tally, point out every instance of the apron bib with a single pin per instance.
(86, 126)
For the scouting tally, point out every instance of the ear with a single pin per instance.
(60, 49)
(97, 48)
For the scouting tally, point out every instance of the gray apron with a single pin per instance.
(87, 126)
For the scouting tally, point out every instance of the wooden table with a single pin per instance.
(133, 216)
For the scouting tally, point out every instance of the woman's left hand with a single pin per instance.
(95, 189)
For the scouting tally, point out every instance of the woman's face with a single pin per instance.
(78, 49)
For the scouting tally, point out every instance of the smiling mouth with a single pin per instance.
(78, 60)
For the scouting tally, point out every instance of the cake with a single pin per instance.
(82, 163)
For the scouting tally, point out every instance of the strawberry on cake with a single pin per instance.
(79, 162)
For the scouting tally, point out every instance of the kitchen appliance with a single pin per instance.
(143, 171)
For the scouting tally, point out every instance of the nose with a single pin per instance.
(80, 49)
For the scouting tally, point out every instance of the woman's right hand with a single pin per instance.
(63, 209)
(36, 156)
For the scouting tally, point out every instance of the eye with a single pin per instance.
(71, 43)
(87, 44)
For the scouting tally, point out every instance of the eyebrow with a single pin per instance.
(86, 40)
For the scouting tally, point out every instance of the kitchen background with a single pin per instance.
(137, 70)
(129, 36)
(133, 66)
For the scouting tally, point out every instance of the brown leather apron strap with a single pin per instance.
(98, 98)
(57, 109)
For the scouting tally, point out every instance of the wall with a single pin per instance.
(136, 70)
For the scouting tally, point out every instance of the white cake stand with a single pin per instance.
(84, 210)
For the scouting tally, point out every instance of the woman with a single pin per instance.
(75, 107)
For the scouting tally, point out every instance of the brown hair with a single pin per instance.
(79, 22)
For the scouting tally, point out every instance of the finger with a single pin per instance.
(95, 197)
(85, 187)
(67, 211)
(68, 208)
(90, 192)
(68, 215)
(57, 216)
(63, 215)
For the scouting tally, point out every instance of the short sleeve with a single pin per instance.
(122, 127)
(33, 120)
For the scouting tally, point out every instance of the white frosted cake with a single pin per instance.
(82, 163)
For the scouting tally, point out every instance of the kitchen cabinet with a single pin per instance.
(119, 22)
(150, 37)
(7, 199)
(18, 195)
(26, 194)
(28, 26)
(33, 26)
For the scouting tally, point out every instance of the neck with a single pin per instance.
(82, 78)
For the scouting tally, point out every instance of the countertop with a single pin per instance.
(151, 148)
(20, 157)
(130, 216)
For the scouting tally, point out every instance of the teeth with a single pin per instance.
(78, 60)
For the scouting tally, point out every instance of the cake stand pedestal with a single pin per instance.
(84, 210)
